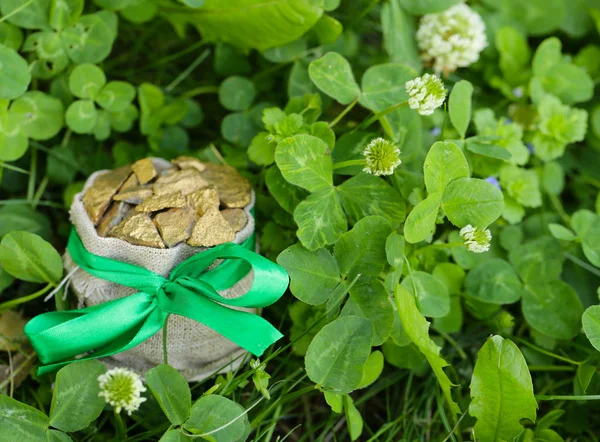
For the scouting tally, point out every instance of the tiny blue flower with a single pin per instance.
(493, 180)
(530, 147)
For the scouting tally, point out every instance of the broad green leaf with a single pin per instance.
(501, 390)
(32, 16)
(584, 374)
(64, 13)
(459, 106)
(547, 55)
(81, 116)
(394, 250)
(434, 300)
(370, 300)
(320, 218)
(453, 321)
(20, 422)
(287, 195)
(287, 52)
(23, 217)
(28, 257)
(538, 17)
(488, 150)
(13, 141)
(452, 275)
(553, 178)
(514, 54)
(353, 418)
(172, 392)
(587, 227)
(561, 232)
(236, 93)
(406, 356)
(57, 436)
(333, 75)
(552, 308)
(328, 29)
(75, 400)
(303, 161)
(337, 354)
(399, 35)
(362, 249)
(212, 412)
(417, 328)
(444, 163)
(423, 7)
(472, 201)
(175, 436)
(539, 260)
(334, 400)
(568, 82)
(238, 128)
(313, 275)
(420, 222)
(90, 39)
(494, 281)
(14, 74)
(591, 325)
(372, 368)
(116, 96)
(86, 80)
(262, 150)
(10, 36)
(39, 115)
(250, 24)
(365, 195)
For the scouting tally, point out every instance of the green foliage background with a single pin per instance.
(394, 331)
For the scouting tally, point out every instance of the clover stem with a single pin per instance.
(9, 304)
(383, 113)
(560, 209)
(349, 163)
(582, 264)
(343, 113)
(201, 90)
(546, 352)
(591, 397)
(438, 246)
(164, 341)
(119, 426)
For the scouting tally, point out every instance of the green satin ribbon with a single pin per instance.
(190, 291)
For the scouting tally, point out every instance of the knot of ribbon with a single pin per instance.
(191, 290)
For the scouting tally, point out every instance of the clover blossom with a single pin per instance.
(476, 240)
(425, 94)
(382, 157)
(122, 389)
(451, 39)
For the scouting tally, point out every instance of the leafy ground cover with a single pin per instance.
(427, 172)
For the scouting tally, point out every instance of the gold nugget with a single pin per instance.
(138, 229)
(175, 225)
(98, 196)
(234, 189)
(144, 170)
(202, 200)
(184, 162)
(237, 218)
(160, 202)
(113, 216)
(211, 230)
(134, 195)
(186, 181)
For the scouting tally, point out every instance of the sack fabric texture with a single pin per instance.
(194, 349)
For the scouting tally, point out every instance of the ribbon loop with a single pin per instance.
(190, 290)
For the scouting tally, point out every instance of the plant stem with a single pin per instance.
(120, 427)
(164, 341)
(591, 397)
(39, 192)
(201, 90)
(561, 210)
(188, 70)
(438, 246)
(551, 368)
(582, 264)
(9, 304)
(546, 352)
(39, 203)
(32, 173)
(343, 113)
(16, 11)
(349, 163)
(13, 168)
(383, 113)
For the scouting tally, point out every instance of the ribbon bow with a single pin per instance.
(190, 291)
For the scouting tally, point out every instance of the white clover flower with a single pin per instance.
(451, 39)
(476, 240)
(425, 94)
(122, 389)
(382, 157)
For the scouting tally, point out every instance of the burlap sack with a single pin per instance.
(194, 349)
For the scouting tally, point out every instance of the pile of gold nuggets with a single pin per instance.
(190, 201)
